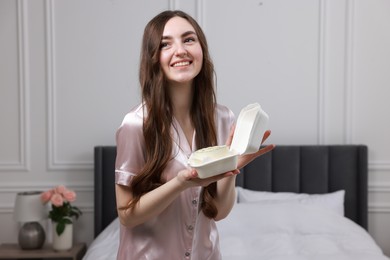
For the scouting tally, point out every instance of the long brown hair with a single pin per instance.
(158, 119)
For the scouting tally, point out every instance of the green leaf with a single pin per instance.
(60, 227)
(63, 215)
(67, 221)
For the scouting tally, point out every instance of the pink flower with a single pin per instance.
(69, 195)
(60, 189)
(57, 200)
(61, 210)
(46, 196)
(58, 196)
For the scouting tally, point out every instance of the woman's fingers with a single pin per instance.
(192, 175)
(192, 179)
(266, 135)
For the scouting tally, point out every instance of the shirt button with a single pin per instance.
(194, 202)
(187, 254)
(190, 227)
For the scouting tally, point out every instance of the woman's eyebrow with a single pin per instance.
(167, 37)
(188, 33)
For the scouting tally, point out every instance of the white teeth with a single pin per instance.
(184, 63)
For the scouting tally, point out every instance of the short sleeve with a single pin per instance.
(225, 121)
(130, 148)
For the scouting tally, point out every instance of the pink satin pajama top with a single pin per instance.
(181, 231)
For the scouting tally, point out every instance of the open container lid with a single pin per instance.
(251, 125)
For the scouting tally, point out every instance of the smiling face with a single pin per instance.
(181, 54)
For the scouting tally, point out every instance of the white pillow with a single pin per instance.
(333, 201)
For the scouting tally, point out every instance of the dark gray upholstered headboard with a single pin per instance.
(306, 169)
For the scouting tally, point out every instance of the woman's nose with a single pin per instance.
(180, 50)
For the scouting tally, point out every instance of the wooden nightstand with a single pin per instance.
(13, 251)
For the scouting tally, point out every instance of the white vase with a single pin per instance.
(65, 240)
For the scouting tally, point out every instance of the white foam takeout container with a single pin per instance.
(251, 125)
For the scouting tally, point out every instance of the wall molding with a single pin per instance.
(23, 164)
(349, 72)
(53, 162)
(24, 83)
(321, 81)
(172, 5)
(349, 93)
(15, 187)
(199, 12)
(349, 115)
(379, 187)
(379, 165)
(379, 208)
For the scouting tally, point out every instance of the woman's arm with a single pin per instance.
(150, 204)
(226, 196)
(154, 202)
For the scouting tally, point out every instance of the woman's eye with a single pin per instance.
(189, 39)
(163, 45)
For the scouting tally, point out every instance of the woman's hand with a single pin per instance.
(226, 195)
(189, 178)
(247, 158)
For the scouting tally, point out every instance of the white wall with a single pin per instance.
(68, 74)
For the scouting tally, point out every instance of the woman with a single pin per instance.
(165, 210)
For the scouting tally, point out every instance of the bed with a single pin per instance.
(296, 202)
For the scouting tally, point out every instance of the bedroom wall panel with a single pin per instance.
(92, 61)
(333, 71)
(370, 86)
(269, 48)
(69, 73)
(369, 92)
(380, 197)
(14, 88)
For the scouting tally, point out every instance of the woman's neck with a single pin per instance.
(181, 97)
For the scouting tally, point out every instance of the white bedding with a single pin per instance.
(291, 231)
